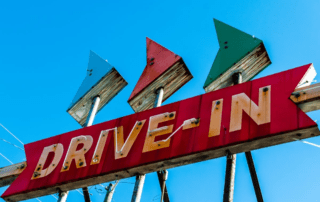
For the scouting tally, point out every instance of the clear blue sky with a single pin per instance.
(43, 59)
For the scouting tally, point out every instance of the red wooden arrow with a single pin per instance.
(159, 60)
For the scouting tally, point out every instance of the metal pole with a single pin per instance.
(110, 191)
(229, 179)
(89, 121)
(231, 159)
(93, 111)
(159, 97)
(137, 191)
(63, 196)
(254, 177)
(86, 194)
(163, 176)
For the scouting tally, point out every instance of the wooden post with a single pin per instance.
(137, 191)
(231, 159)
(254, 177)
(229, 179)
(86, 194)
(231, 165)
(163, 176)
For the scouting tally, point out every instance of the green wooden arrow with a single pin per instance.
(234, 45)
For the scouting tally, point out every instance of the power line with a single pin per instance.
(11, 134)
(309, 143)
(11, 144)
(6, 158)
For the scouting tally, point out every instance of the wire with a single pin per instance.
(79, 192)
(6, 158)
(11, 134)
(11, 144)
(54, 196)
(309, 143)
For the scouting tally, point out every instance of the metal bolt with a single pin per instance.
(151, 59)
(55, 145)
(139, 123)
(38, 168)
(171, 115)
(151, 63)
(103, 135)
(121, 154)
(197, 121)
(158, 144)
(97, 155)
(67, 162)
(225, 42)
(22, 166)
(78, 139)
(84, 149)
(265, 89)
(137, 128)
(150, 135)
(81, 164)
(53, 164)
(226, 47)
(218, 102)
(36, 174)
(65, 167)
(299, 134)
(40, 164)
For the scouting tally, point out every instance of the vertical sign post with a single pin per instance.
(242, 56)
(164, 74)
(101, 84)
(231, 159)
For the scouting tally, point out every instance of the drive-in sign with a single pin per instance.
(240, 118)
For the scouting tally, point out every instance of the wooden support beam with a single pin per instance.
(307, 98)
(10, 173)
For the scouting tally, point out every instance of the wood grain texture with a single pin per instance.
(9, 173)
(307, 98)
(107, 88)
(172, 80)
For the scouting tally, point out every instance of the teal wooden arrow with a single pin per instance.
(234, 45)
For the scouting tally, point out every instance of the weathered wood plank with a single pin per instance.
(307, 98)
(107, 88)
(173, 79)
(9, 173)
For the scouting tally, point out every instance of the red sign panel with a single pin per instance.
(191, 130)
